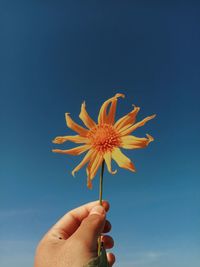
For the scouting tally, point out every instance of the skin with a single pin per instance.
(72, 241)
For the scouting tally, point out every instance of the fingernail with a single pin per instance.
(98, 210)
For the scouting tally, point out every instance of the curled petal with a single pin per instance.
(89, 183)
(122, 160)
(128, 120)
(75, 127)
(103, 117)
(84, 116)
(74, 138)
(112, 112)
(73, 151)
(83, 162)
(137, 125)
(133, 142)
(107, 157)
(92, 159)
(93, 165)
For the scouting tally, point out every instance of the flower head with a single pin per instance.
(102, 140)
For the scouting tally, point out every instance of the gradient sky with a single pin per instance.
(54, 55)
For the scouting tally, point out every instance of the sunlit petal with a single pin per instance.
(73, 138)
(84, 116)
(94, 165)
(133, 142)
(122, 160)
(107, 158)
(103, 116)
(83, 162)
(137, 125)
(75, 127)
(73, 151)
(92, 159)
(89, 183)
(112, 112)
(128, 120)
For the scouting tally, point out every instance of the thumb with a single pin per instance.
(91, 227)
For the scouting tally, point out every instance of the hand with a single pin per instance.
(72, 241)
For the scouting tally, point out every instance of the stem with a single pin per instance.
(100, 201)
(101, 183)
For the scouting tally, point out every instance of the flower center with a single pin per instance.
(104, 138)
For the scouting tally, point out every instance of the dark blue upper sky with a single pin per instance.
(54, 55)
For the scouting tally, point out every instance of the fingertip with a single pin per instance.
(107, 227)
(106, 205)
(107, 241)
(111, 258)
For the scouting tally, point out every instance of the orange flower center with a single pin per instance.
(104, 138)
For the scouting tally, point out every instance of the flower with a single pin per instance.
(103, 140)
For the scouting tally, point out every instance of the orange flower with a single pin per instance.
(103, 140)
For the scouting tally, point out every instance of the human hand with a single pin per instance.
(72, 241)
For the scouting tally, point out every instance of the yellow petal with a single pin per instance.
(74, 138)
(92, 159)
(122, 160)
(128, 120)
(133, 142)
(75, 127)
(94, 165)
(73, 151)
(103, 117)
(89, 183)
(107, 157)
(84, 116)
(112, 112)
(137, 125)
(83, 162)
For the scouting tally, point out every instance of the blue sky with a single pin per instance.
(54, 55)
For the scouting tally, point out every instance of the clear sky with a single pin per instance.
(54, 55)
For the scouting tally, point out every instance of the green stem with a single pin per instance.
(101, 183)
(100, 200)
